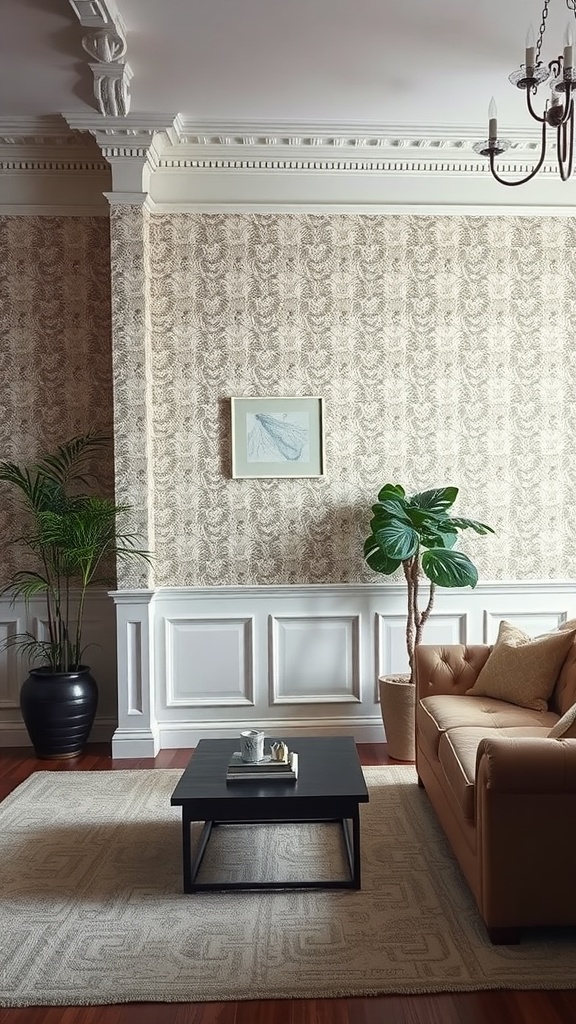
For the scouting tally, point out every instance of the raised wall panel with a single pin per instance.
(40, 628)
(134, 667)
(9, 669)
(293, 660)
(391, 654)
(532, 622)
(314, 659)
(209, 661)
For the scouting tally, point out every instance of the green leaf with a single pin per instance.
(391, 508)
(75, 538)
(392, 492)
(434, 538)
(465, 524)
(397, 540)
(69, 461)
(449, 568)
(420, 517)
(437, 500)
(378, 560)
(26, 585)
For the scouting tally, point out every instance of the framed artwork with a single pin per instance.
(277, 437)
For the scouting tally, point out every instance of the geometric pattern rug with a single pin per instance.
(92, 909)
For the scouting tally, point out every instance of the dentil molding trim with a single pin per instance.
(326, 168)
(188, 138)
(48, 169)
(181, 165)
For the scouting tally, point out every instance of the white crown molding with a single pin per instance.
(320, 162)
(40, 131)
(170, 163)
(331, 137)
(89, 121)
(40, 137)
(363, 168)
(392, 149)
(131, 136)
(47, 169)
(52, 165)
(125, 142)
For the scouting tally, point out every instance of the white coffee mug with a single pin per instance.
(252, 745)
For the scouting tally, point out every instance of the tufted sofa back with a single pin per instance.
(451, 669)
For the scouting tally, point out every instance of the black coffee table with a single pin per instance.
(330, 787)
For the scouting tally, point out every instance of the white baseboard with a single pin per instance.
(135, 743)
(187, 734)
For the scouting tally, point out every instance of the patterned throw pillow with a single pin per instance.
(565, 728)
(523, 670)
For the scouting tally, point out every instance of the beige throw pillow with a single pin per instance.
(565, 728)
(523, 670)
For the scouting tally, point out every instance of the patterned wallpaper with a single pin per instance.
(55, 349)
(130, 262)
(442, 347)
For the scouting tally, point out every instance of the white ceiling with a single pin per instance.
(417, 62)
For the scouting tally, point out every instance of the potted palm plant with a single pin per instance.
(418, 534)
(71, 539)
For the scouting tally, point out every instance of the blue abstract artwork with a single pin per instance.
(284, 437)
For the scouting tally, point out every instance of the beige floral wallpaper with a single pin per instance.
(55, 344)
(443, 347)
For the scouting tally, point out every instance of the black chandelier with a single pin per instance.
(558, 111)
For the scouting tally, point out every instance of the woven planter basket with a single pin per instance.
(397, 700)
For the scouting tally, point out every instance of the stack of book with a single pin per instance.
(265, 769)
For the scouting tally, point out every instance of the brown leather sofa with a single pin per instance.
(503, 791)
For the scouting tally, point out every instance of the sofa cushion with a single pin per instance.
(564, 695)
(457, 756)
(565, 728)
(521, 669)
(441, 712)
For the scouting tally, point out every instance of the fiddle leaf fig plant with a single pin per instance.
(419, 533)
(71, 538)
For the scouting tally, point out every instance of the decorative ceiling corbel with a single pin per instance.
(106, 43)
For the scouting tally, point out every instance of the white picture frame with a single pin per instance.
(277, 437)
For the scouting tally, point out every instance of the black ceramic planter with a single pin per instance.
(58, 709)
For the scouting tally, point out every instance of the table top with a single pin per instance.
(328, 766)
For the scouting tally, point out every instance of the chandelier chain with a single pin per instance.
(559, 114)
(542, 28)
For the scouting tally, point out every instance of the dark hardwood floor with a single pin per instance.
(534, 1007)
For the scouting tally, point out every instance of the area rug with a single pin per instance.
(92, 909)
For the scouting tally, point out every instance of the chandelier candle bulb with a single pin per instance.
(492, 121)
(568, 60)
(530, 49)
(559, 114)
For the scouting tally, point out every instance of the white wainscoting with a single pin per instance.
(198, 662)
(100, 638)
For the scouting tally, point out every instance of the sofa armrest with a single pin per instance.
(526, 831)
(529, 765)
(448, 669)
